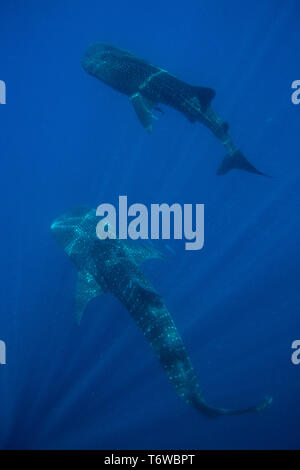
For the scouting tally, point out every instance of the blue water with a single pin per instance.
(68, 140)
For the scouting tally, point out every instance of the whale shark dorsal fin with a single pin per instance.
(205, 95)
(143, 108)
(139, 253)
(86, 290)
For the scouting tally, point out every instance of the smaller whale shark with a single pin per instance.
(148, 85)
(113, 266)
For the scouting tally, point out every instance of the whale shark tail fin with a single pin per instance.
(238, 161)
(214, 412)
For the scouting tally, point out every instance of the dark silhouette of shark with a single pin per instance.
(148, 85)
(113, 266)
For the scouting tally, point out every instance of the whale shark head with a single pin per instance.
(110, 65)
(92, 60)
(99, 60)
(75, 232)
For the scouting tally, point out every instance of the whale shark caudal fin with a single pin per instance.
(214, 412)
(238, 161)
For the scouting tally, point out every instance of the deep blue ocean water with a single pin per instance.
(67, 140)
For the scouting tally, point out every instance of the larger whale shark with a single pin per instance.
(113, 266)
(148, 85)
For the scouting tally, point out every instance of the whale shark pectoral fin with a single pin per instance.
(204, 95)
(143, 108)
(139, 253)
(86, 290)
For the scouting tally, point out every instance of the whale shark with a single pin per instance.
(114, 266)
(147, 86)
